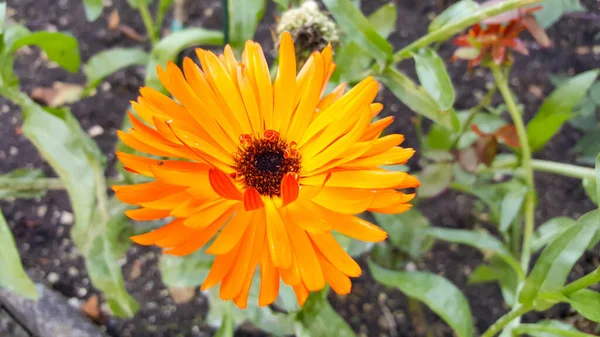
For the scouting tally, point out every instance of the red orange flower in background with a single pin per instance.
(268, 169)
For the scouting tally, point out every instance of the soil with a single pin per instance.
(41, 227)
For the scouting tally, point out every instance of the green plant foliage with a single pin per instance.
(587, 303)
(511, 206)
(80, 165)
(244, 16)
(505, 274)
(319, 319)
(13, 276)
(358, 29)
(556, 109)
(549, 329)
(21, 177)
(93, 9)
(383, 20)
(60, 48)
(168, 48)
(439, 294)
(185, 272)
(557, 259)
(454, 13)
(417, 99)
(549, 230)
(109, 61)
(226, 329)
(135, 3)
(435, 179)
(552, 10)
(480, 240)
(405, 231)
(434, 77)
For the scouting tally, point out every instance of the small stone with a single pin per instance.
(596, 50)
(81, 292)
(41, 211)
(208, 12)
(411, 266)
(13, 151)
(74, 302)
(73, 271)
(105, 86)
(95, 131)
(535, 90)
(5, 108)
(66, 218)
(53, 278)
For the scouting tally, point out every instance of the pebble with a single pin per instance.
(95, 131)
(5, 108)
(105, 86)
(74, 302)
(73, 271)
(81, 292)
(13, 151)
(66, 218)
(41, 211)
(53, 278)
(411, 266)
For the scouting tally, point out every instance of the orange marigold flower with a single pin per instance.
(268, 169)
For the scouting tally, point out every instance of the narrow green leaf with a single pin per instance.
(318, 319)
(244, 16)
(383, 20)
(13, 277)
(511, 205)
(557, 259)
(21, 178)
(417, 99)
(226, 329)
(549, 230)
(454, 13)
(598, 178)
(60, 48)
(93, 9)
(12, 34)
(80, 165)
(482, 274)
(552, 10)
(109, 61)
(479, 240)
(2, 16)
(358, 29)
(439, 294)
(405, 231)
(556, 108)
(434, 77)
(435, 179)
(552, 324)
(187, 271)
(587, 303)
(134, 3)
(169, 47)
(538, 330)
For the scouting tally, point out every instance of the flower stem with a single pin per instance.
(448, 30)
(502, 84)
(582, 283)
(567, 170)
(506, 319)
(147, 18)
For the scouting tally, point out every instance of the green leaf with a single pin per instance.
(556, 329)
(93, 9)
(405, 231)
(244, 16)
(434, 77)
(511, 206)
(21, 177)
(187, 271)
(358, 29)
(169, 47)
(60, 48)
(591, 189)
(383, 20)
(552, 10)
(439, 138)
(109, 61)
(557, 259)
(226, 329)
(12, 34)
(439, 294)
(13, 277)
(352, 62)
(435, 179)
(2, 16)
(417, 99)
(98, 225)
(549, 230)
(587, 303)
(480, 240)
(482, 274)
(318, 319)
(134, 3)
(454, 13)
(598, 178)
(556, 108)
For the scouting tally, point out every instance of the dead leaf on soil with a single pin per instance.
(91, 308)
(58, 95)
(136, 270)
(131, 33)
(182, 295)
(114, 19)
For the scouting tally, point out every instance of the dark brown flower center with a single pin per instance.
(262, 162)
